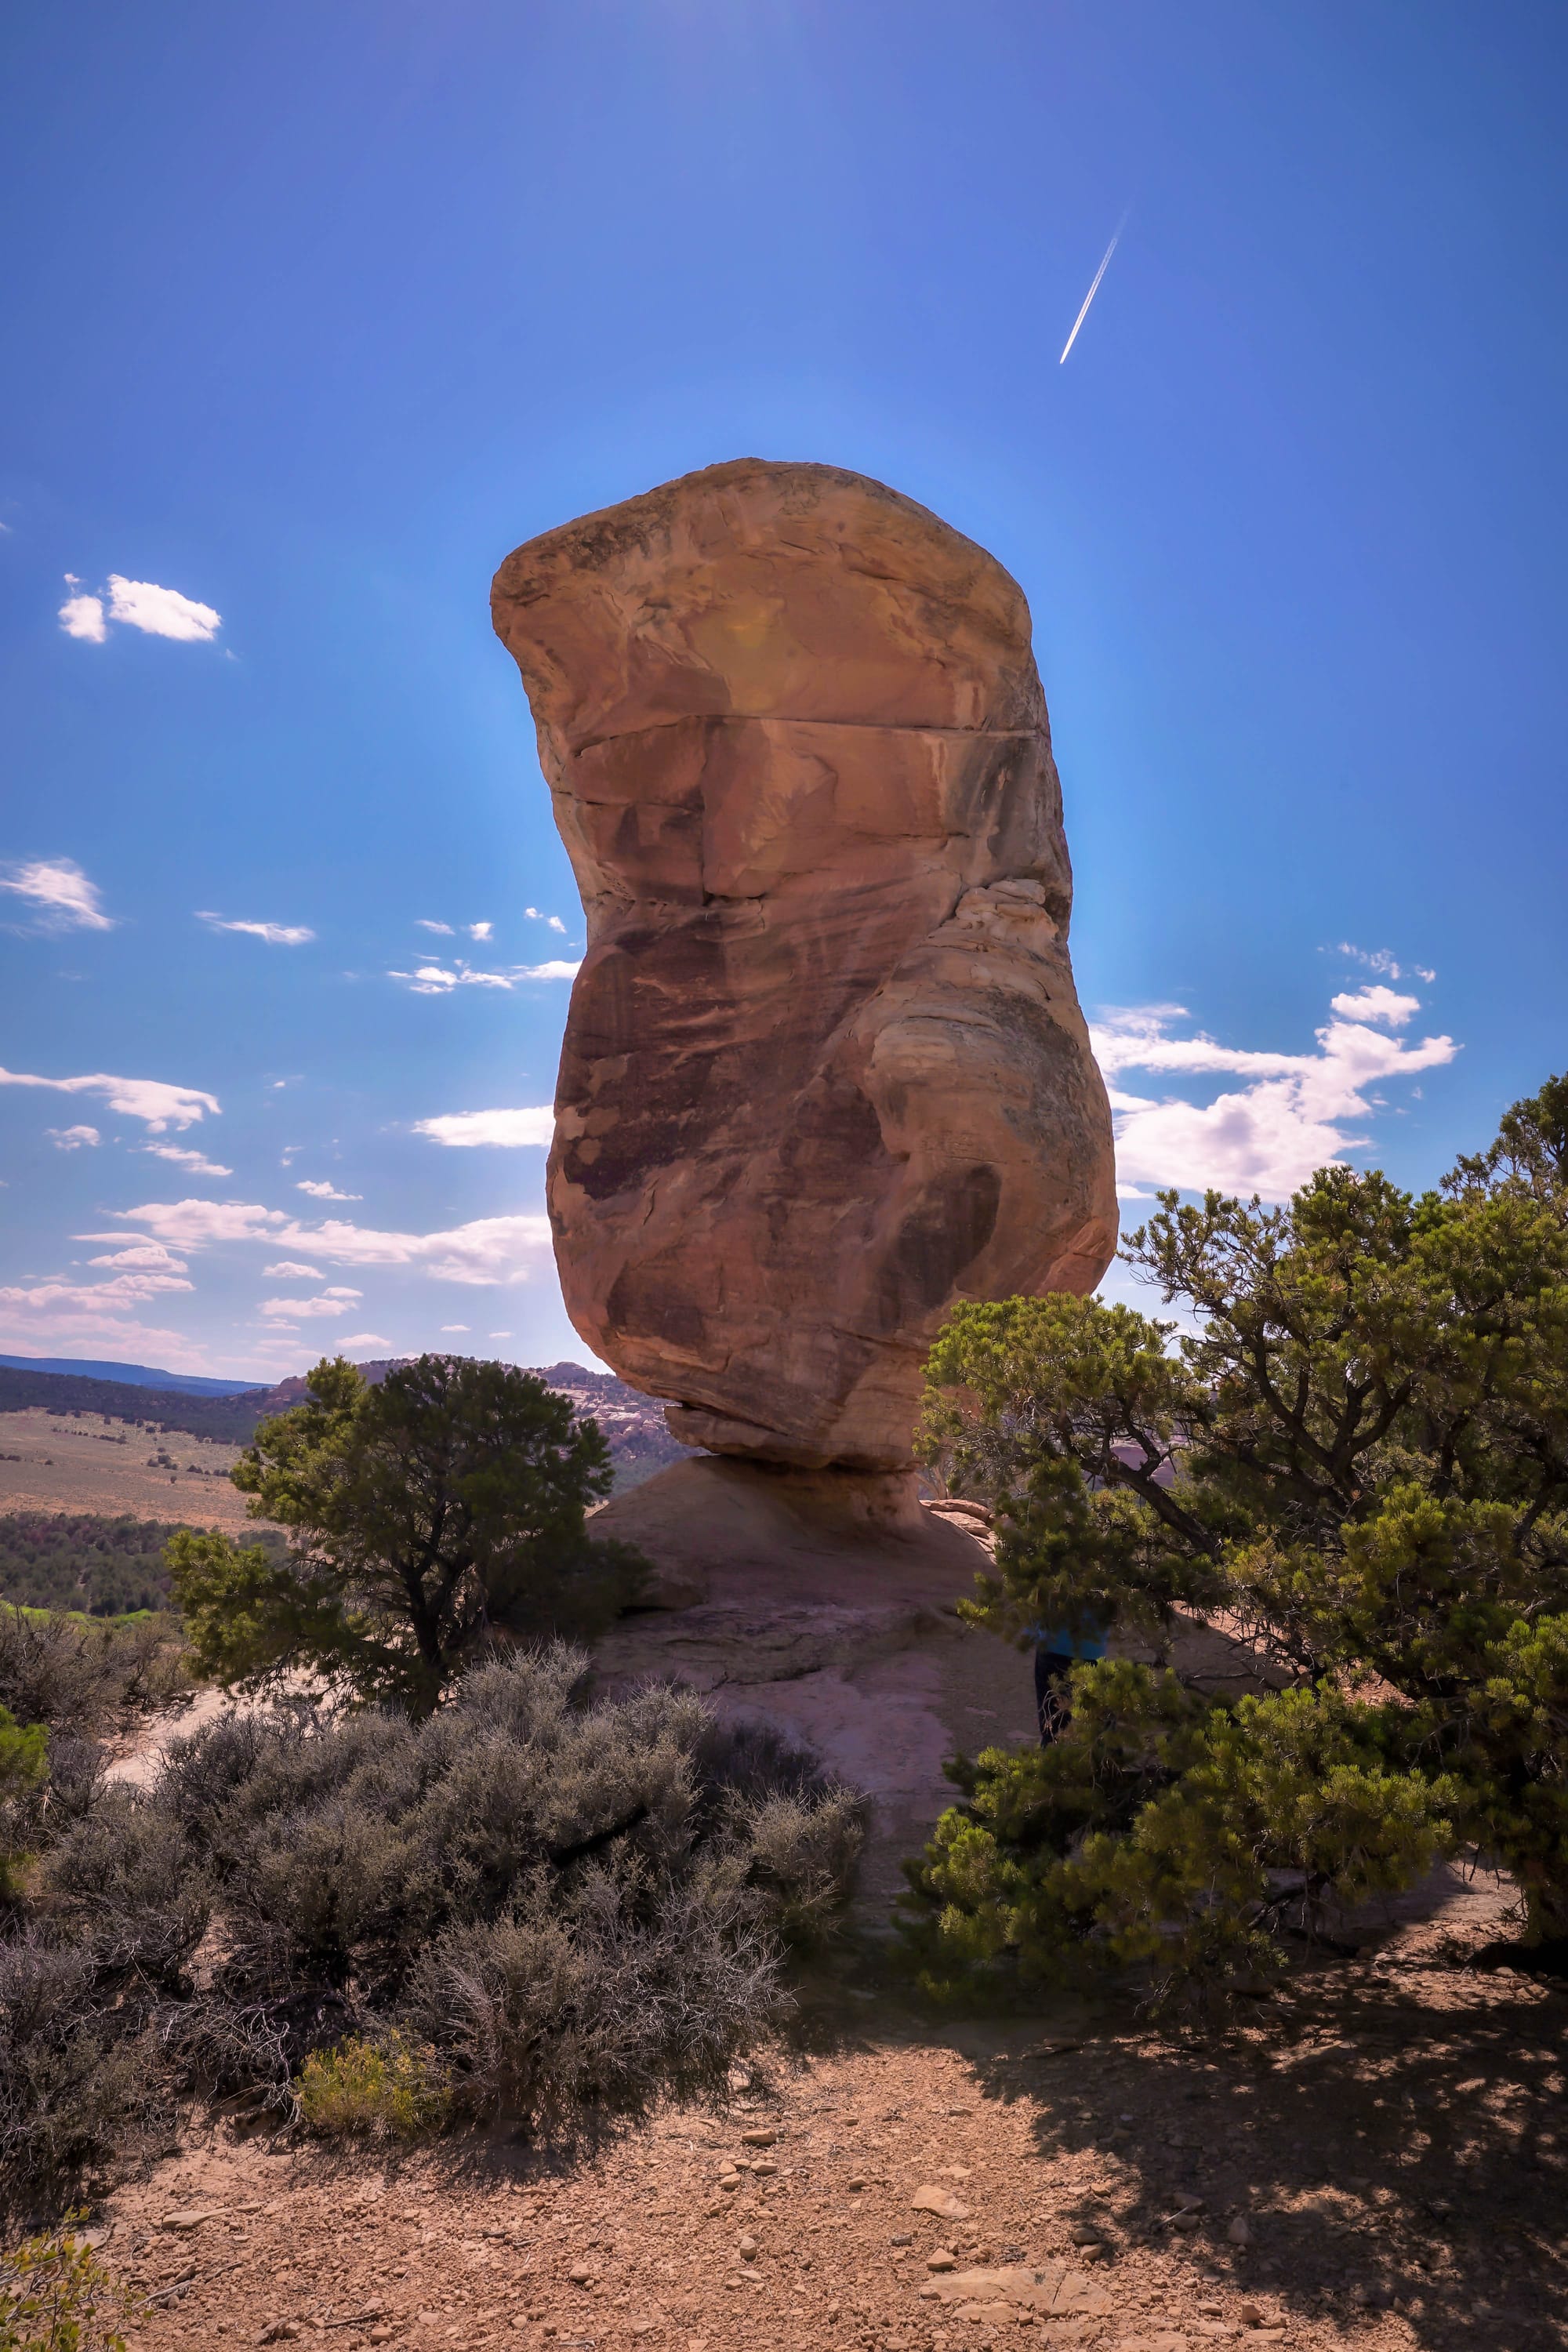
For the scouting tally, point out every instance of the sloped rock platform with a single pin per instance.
(823, 1603)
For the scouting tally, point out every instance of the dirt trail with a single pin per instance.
(1371, 2161)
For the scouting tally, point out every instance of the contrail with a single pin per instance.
(1094, 289)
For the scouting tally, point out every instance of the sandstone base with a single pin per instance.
(822, 1602)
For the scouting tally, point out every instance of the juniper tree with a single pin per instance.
(1358, 1466)
(430, 1516)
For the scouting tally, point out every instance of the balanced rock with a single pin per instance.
(825, 1070)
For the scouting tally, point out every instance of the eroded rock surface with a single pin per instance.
(825, 1070)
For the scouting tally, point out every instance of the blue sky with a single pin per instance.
(313, 312)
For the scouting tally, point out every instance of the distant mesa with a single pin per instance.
(141, 1376)
(634, 1428)
(825, 1070)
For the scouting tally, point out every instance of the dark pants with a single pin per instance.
(1051, 1671)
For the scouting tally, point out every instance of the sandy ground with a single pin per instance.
(1372, 2160)
(49, 1463)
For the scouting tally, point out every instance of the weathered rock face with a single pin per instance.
(825, 1070)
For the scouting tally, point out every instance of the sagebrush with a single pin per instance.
(563, 1908)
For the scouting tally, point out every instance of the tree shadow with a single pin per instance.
(1387, 2141)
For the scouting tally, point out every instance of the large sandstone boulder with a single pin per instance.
(824, 1071)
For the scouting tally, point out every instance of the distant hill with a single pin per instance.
(632, 1423)
(136, 1376)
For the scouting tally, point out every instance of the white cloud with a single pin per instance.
(160, 612)
(82, 616)
(37, 1320)
(1267, 1136)
(1381, 961)
(53, 1299)
(57, 886)
(436, 980)
(149, 1099)
(333, 1301)
(196, 1224)
(1376, 1004)
(363, 1339)
(454, 1327)
(423, 923)
(146, 1258)
(491, 1250)
(500, 1335)
(480, 930)
(72, 1138)
(289, 1269)
(276, 935)
(319, 1191)
(194, 1161)
(504, 1127)
(553, 921)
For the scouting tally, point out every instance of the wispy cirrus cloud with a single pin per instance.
(159, 1105)
(510, 1128)
(335, 1300)
(1299, 1112)
(137, 604)
(56, 1308)
(194, 1161)
(276, 935)
(441, 980)
(56, 887)
(1381, 960)
(488, 1250)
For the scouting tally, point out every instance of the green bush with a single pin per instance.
(23, 1761)
(432, 1518)
(57, 2296)
(394, 2088)
(1359, 1466)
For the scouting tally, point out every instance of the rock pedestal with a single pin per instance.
(823, 1604)
(824, 1071)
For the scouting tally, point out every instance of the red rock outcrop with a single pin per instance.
(825, 1070)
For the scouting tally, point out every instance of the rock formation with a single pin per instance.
(825, 1070)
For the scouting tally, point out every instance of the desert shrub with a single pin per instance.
(137, 1899)
(394, 2089)
(80, 2081)
(1359, 1464)
(76, 1675)
(56, 2296)
(23, 1761)
(527, 1902)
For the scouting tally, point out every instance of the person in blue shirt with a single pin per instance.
(1057, 1649)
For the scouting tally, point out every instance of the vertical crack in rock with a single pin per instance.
(825, 1070)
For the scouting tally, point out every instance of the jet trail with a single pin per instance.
(1093, 289)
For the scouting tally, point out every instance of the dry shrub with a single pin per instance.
(79, 2083)
(570, 1908)
(79, 1676)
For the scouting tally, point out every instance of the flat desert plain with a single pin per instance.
(86, 1464)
